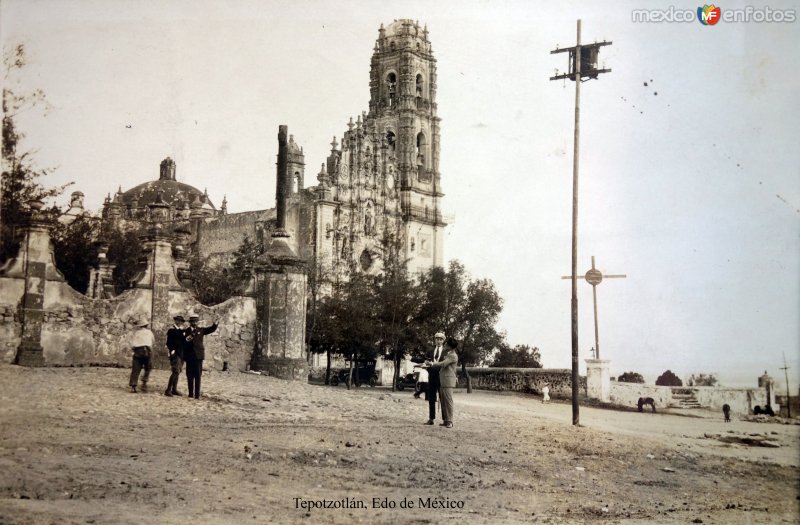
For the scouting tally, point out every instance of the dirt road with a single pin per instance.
(76, 447)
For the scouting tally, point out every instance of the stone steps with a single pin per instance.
(685, 401)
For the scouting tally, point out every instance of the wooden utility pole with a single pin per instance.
(595, 277)
(582, 64)
(786, 371)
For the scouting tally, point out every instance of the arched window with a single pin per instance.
(421, 149)
(390, 140)
(296, 181)
(391, 87)
(420, 83)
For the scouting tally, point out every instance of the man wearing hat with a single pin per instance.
(433, 376)
(176, 342)
(195, 352)
(141, 341)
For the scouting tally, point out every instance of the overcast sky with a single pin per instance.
(690, 180)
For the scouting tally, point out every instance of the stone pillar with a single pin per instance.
(598, 379)
(280, 295)
(31, 263)
(101, 279)
(768, 383)
(160, 278)
(280, 316)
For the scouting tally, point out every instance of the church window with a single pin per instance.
(420, 84)
(413, 244)
(421, 149)
(391, 85)
(390, 140)
(296, 182)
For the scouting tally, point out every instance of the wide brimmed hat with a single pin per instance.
(439, 335)
(178, 317)
(141, 322)
(194, 316)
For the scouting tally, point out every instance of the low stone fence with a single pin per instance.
(529, 380)
(741, 400)
(628, 394)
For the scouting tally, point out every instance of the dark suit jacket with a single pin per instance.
(176, 341)
(433, 373)
(197, 333)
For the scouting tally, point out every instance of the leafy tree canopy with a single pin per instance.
(521, 356)
(631, 377)
(669, 379)
(702, 380)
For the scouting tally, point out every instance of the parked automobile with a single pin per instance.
(407, 381)
(361, 376)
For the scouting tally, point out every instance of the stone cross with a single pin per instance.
(595, 277)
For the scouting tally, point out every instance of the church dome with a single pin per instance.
(405, 32)
(172, 192)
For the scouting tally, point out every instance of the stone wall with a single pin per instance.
(225, 233)
(741, 400)
(528, 380)
(628, 394)
(78, 330)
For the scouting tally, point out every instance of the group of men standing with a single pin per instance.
(184, 345)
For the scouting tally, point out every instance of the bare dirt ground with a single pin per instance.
(76, 447)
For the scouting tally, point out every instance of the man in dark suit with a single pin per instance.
(433, 376)
(195, 353)
(176, 343)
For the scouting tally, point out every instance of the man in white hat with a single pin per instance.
(195, 353)
(141, 342)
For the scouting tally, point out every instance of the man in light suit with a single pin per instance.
(447, 379)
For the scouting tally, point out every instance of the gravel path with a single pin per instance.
(76, 447)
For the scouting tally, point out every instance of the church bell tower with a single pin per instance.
(403, 107)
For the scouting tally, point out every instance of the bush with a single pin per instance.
(669, 379)
(702, 380)
(631, 377)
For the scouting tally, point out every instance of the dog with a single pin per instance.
(726, 411)
(646, 401)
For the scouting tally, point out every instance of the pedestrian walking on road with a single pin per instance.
(141, 343)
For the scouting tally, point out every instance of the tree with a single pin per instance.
(631, 377)
(398, 300)
(463, 308)
(126, 253)
(521, 356)
(347, 320)
(669, 379)
(20, 178)
(702, 380)
(216, 283)
(75, 251)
